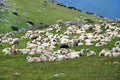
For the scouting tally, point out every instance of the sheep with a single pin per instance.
(14, 41)
(82, 52)
(90, 53)
(88, 42)
(10, 51)
(90, 36)
(60, 57)
(116, 49)
(49, 29)
(34, 36)
(73, 55)
(41, 32)
(58, 30)
(45, 57)
(64, 41)
(7, 51)
(53, 42)
(39, 38)
(33, 59)
(73, 43)
(100, 44)
(104, 52)
(63, 51)
(30, 45)
(45, 44)
(32, 53)
(30, 31)
(80, 44)
(115, 54)
(117, 44)
(82, 37)
(52, 58)
(24, 51)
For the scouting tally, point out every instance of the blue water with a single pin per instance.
(107, 8)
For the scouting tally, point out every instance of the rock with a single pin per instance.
(116, 62)
(14, 28)
(16, 74)
(42, 25)
(30, 22)
(60, 74)
(15, 13)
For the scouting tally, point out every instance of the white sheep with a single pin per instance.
(14, 41)
(90, 53)
(24, 51)
(82, 52)
(33, 59)
(73, 55)
(104, 52)
(100, 44)
(31, 45)
(80, 44)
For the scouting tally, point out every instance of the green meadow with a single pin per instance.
(83, 68)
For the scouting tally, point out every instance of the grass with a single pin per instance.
(37, 12)
(84, 68)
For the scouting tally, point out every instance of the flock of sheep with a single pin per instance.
(43, 42)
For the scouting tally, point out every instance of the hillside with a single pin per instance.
(15, 65)
(18, 13)
(90, 51)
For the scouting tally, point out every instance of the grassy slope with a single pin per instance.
(36, 12)
(84, 68)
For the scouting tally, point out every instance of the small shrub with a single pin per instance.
(30, 22)
(14, 28)
(15, 13)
